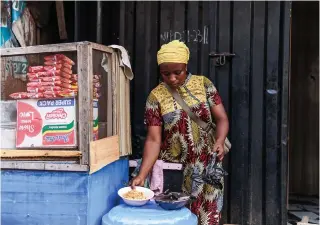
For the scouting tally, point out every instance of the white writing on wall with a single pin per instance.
(187, 36)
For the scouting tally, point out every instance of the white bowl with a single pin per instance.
(147, 193)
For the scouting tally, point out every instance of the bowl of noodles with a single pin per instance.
(135, 197)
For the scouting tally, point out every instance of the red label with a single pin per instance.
(58, 138)
(29, 122)
(56, 114)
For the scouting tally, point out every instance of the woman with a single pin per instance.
(183, 140)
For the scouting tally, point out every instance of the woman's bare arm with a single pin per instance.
(150, 154)
(220, 116)
(221, 119)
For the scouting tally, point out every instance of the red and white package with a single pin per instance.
(53, 62)
(43, 89)
(43, 74)
(25, 95)
(66, 75)
(41, 84)
(70, 86)
(34, 79)
(67, 93)
(97, 85)
(96, 95)
(58, 57)
(35, 89)
(66, 65)
(58, 64)
(73, 89)
(19, 95)
(34, 69)
(44, 79)
(66, 70)
(56, 94)
(33, 84)
(96, 89)
(97, 77)
(51, 79)
(65, 80)
(74, 77)
(55, 67)
(53, 83)
(35, 95)
(68, 90)
(54, 88)
(51, 94)
(58, 67)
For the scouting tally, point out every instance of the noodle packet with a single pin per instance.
(43, 74)
(57, 57)
(70, 86)
(41, 84)
(19, 95)
(33, 69)
(43, 89)
(45, 79)
(58, 65)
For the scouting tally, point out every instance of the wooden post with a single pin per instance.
(85, 96)
(61, 20)
(114, 85)
(110, 94)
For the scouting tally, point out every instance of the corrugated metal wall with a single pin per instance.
(253, 86)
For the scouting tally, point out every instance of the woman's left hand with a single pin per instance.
(219, 148)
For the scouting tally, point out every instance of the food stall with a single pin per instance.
(65, 133)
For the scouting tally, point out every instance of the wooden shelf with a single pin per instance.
(16, 153)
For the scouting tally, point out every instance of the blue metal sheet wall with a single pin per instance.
(54, 198)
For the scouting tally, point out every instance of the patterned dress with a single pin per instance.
(185, 142)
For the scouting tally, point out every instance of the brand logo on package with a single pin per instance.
(29, 122)
(95, 104)
(58, 134)
(56, 114)
(56, 102)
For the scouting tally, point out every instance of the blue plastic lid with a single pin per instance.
(150, 213)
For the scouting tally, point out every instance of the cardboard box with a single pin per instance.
(46, 123)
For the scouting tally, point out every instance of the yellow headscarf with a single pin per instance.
(173, 52)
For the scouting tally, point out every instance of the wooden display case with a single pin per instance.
(89, 155)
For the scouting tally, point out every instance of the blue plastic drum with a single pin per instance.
(148, 214)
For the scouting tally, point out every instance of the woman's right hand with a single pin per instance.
(137, 181)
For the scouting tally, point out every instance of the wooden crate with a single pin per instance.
(90, 155)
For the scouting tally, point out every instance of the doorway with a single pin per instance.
(304, 114)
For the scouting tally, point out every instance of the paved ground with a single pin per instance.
(300, 206)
